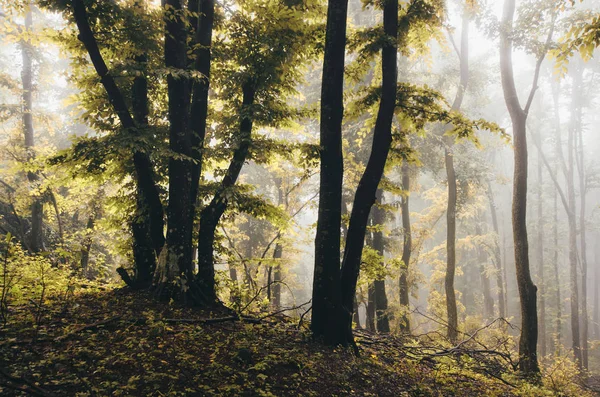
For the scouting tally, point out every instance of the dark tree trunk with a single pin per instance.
(488, 301)
(497, 255)
(144, 173)
(36, 238)
(527, 290)
(406, 251)
(199, 105)
(211, 214)
(144, 251)
(381, 302)
(367, 187)
(177, 266)
(451, 310)
(326, 301)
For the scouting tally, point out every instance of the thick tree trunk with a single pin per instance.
(451, 309)
(144, 251)
(36, 237)
(527, 290)
(381, 302)
(497, 254)
(178, 244)
(540, 249)
(367, 187)
(406, 251)
(326, 299)
(212, 213)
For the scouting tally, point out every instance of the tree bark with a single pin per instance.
(540, 249)
(381, 302)
(326, 299)
(497, 254)
(200, 89)
(144, 172)
(451, 309)
(212, 213)
(527, 290)
(406, 251)
(577, 110)
(178, 261)
(370, 322)
(36, 238)
(488, 301)
(367, 187)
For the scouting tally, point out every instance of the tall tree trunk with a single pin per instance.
(212, 213)
(556, 275)
(178, 261)
(488, 301)
(36, 240)
(596, 294)
(326, 299)
(369, 182)
(497, 254)
(381, 302)
(577, 110)
(406, 251)
(527, 290)
(199, 106)
(540, 249)
(451, 309)
(144, 172)
(144, 252)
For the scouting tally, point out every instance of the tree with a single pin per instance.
(527, 290)
(463, 55)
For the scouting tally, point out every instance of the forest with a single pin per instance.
(299, 198)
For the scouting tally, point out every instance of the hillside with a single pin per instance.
(115, 342)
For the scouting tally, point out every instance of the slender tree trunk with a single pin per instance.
(488, 301)
(406, 251)
(527, 290)
(540, 248)
(277, 255)
(212, 213)
(356, 317)
(371, 308)
(144, 173)
(36, 242)
(577, 110)
(381, 302)
(369, 182)
(199, 106)
(557, 276)
(326, 298)
(451, 309)
(497, 254)
(596, 294)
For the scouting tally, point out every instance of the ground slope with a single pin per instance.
(121, 343)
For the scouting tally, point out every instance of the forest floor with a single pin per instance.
(116, 342)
